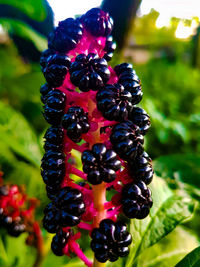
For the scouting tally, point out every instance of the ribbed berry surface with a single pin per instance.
(66, 36)
(65, 210)
(109, 48)
(110, 240)
(54, 138)
(136, 200)
(89, 72)
(75, 121)
(100, 164)
(54, 107)
(53, 171)
(127, 140)
(97, 22)
(45, 55)
(44, 90)
(114, 102)
(140, 117)
(59, 241)
(56, 69)
(141, 168)
(128, 78)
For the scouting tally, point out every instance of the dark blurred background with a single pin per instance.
(162, 41)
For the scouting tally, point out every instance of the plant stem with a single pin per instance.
(99, 191)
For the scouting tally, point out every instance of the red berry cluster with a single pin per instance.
(92, 109)
(17, 213)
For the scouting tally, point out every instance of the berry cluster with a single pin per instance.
(17, 213)
(92, 110)
(110, 240)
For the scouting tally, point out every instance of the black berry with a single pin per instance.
(128, 78)
(66, 36)
(66, 210)
(136, 200)
(127, 140)
(139, 117)
(59, 241)
(75, 121)
(109, 48)
(56, 69)
(110, 240)
(141, 168)
(97, 22)
(44, 90)
(114, 102)
(100, 164)
(89, 72)
(54, 138)
(54, 107)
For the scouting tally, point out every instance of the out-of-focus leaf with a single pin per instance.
(32, 8)
(180, 170)
(16, 133)
(23, 30)
(169, 250)
(19, 254)
(3, 254)
(191, 260)
(168, 211)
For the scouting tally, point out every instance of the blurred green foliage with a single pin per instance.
(171, 97)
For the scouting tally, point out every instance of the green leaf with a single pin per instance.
(17, 134)
(23, 30)
(168, 211)
(170, 250)
(32, 8)
(181, 171)
(192, 259)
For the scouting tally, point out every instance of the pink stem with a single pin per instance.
(114, 212)
(74, 247)
(85, 226)
(78, 173)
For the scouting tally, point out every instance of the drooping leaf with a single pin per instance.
(169, 250)
(168, 211)
(17, 134)
(191, 260)
(21, 29)
(32, 8)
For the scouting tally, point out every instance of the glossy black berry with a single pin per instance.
(53, 161)
(56, 69)
(44, 57)
(54, 107)
(44, 90)
(136, 200)
(75, 121)
(54, 138)
(52, 189)
(139, 117)
(89, 72)
(141, 168)
(129, 79)
(110, 240)
(114, 102)
(127, 140)
(66, 36)
(59, 241)
(100, 164)
(109, 48)
(66, 210)
(97, 22)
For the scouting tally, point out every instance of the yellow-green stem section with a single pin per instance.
(99, 191)
(99, 194)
